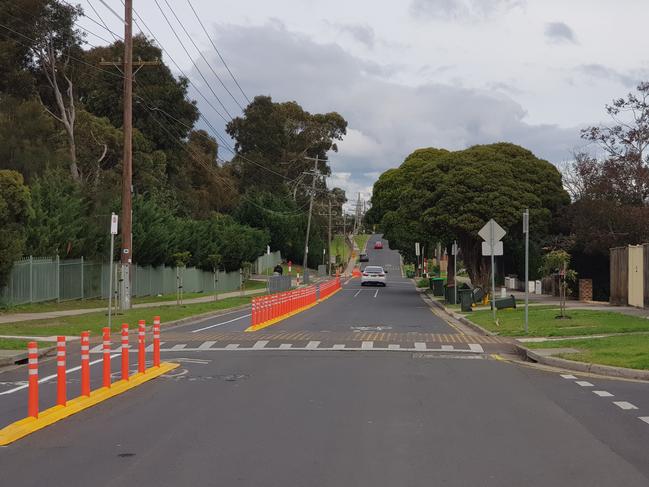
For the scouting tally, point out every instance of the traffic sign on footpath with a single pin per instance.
(492, 231)
(492, 246)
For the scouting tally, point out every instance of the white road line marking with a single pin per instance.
(232, 346)
(583, 383)
(394, 346)
(222, 323)
(312, 345)
(367, 345)
(420, 346)
(624, 405)
(206, 345)
(644, 418)
(338, 346)
(568, 376)
(180, 346)
(603, 393)
(284, 346)
(448, 347)
(474, 347)
(357, 292)
(376, 293)
(53, 376)
(260, 344)
(97, 349)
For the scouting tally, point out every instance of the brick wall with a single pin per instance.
(585, 289)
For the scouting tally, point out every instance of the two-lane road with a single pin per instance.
(364, 389)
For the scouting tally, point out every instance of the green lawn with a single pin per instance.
(74, 325)
(338, 246)
(622, 351)
(103, 303)
(542, 322)
(16, 344)
(361, 241)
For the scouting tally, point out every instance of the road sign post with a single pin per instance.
(454, 252)
(113, 232)
(492, 233)
(526, 231)
(417, 254)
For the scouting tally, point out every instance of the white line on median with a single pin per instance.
(624, 405)
(644, 418)
(475, 347)
(260, 344)
(223, 323)
(603, 393)
(583, 383)
(206, 345)
(568, 376)
(420, 346)
(311, 345)
(367, 345)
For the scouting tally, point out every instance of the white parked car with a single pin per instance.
(373, 274)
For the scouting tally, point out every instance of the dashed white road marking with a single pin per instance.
(232, 346)
(624, 405)
(284, 346)
(394, 346)
(420, 346)
(475, 347)
(644, 418)
(260, 344)
(338, 346)
(448, 347)
(603, 393)
(367, 345)
(222, 323)
(313, 344)
(376, 293)
(568, 376)
(583, 383)
(180, 346)
(357, 292)
(206, 345)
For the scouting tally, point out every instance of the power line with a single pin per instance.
(115, 36)
(192, 59)
(202, 55)
(217, 51)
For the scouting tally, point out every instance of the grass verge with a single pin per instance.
(94, 322)
(630, 351)
(543, 322)
(17, 344)
(361, 241)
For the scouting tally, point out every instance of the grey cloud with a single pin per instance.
(601, 72)
(386, 120)
(362, 33)
(559, 32)
(461, 9)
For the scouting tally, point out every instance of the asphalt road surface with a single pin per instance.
(364, 389)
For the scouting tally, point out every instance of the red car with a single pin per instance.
(378, 245)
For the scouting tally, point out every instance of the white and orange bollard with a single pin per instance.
(61, 393)
(125, 347)
(106, 353)
(156, 341)
(141, 349)
(85, 363)
(32, 367)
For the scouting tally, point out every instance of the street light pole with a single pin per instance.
(308, 225)
(526, 230)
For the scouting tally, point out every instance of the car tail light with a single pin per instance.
(365, 274)
(381, 275)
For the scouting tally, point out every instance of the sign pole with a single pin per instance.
(526, 230)
(454, 270)
(113, 232)
(493, 270)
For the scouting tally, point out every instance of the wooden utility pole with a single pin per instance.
(126, 256)
(308, 225)
(127, 163)
(329, 240)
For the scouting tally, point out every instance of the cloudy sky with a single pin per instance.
(412, 73)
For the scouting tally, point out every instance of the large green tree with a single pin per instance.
(15, 210)
(438, 195)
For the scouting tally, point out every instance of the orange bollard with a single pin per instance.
(156, 341)
(61, 395)
(141, 353)
(106, 350)
(125, 347)
(32, 367)
(85, 363)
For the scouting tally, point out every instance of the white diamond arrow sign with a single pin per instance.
(491, 226)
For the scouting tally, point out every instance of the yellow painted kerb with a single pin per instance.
(267, 323)
(26, 426)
